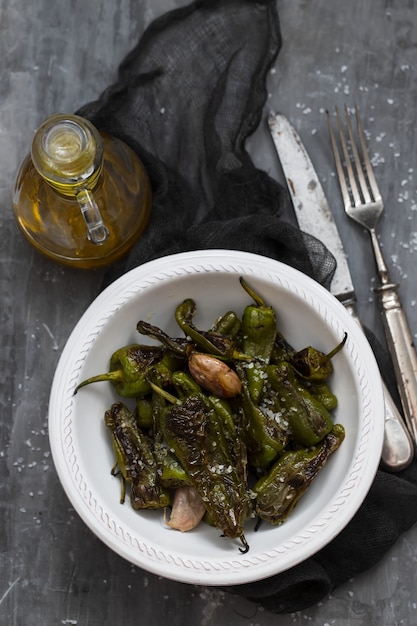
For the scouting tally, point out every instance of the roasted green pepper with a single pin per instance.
(134, 460)
(308, 420)
(259, 326)
(280, 489)
(258, 331)
(195, 433)
(129, 370)
(171, 473)
(225, 414)
(265, 434)
(314, 365)
(282, 350)
(144, 412)
(184, 384)
(323, 393)
(228, 325)
(212, 342)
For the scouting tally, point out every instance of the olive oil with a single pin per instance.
(81, 197)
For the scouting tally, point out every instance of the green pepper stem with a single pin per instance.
(165, 394)
(245, 548)
(330, 355)
(256, 297)
(156, 333)
(114, 376)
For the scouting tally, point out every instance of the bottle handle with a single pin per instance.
(96, 229)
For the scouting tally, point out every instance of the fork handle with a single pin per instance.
(403, 352)
(397, 450)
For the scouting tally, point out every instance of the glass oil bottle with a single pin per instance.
(81, 197)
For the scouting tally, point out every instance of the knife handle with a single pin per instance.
(403, 352)
(398, 449)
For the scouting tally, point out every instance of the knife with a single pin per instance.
(314, 217)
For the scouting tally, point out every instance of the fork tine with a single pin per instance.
(349, 169)
(350, 193)
(369, 169)
(363, 187)
(339, 167)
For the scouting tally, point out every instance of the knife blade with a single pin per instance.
(314, 216)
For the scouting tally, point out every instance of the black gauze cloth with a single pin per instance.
(186, 99)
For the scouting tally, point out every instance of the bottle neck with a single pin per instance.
(67, 151)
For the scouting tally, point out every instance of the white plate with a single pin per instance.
(307, 315)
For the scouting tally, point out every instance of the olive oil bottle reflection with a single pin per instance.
(81, 197)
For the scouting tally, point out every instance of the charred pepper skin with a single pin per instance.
(279, 490)
(314, 365)
(135, 460)
(282, 350)
(194, 432)
(130, 368)
(308, 420)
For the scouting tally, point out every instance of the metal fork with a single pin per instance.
(363, 203)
